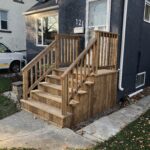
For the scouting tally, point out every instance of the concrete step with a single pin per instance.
(46, 98)
(45, 112)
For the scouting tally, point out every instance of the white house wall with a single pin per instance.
(16, 40)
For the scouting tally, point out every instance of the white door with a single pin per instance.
(5, 58)
(97, 17)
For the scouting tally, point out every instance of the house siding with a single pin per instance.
(15, 38)
(136, 58)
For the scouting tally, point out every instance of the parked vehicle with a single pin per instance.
(10, 59)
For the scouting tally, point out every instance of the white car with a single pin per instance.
(11, 60)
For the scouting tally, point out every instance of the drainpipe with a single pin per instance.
(123, 45)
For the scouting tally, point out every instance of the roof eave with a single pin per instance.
(41, 10)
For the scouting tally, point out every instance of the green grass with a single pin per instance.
(136, 136)
(5, 84)
(7, 106)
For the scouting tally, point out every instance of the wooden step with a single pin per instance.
(48, 113)
(56, 89)
(46, 98)
(54, 79)
(50, 88)
(59, 71)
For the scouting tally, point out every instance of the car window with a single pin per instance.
(3, 48)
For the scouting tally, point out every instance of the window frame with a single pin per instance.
(146, 3)
(41, 18)
(4, 20)
(141, 85)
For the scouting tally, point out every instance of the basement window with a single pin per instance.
(3, 20)
(147, 11)
(47, 28)
(140, 79)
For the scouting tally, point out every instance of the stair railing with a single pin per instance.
(36, 70)
(101, 53)
(61, 52)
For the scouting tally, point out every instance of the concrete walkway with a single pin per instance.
(108, 126)
(22, 130)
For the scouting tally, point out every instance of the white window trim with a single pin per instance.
(36, 27)
(87, 18)
(146, 3)
(5, 20)
(142, 73)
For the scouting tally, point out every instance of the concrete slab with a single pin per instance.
(106, 127)
(23, 130)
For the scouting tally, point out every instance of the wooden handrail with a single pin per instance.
(35, 59)
(36, 70)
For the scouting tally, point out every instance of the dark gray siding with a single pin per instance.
(137, 48)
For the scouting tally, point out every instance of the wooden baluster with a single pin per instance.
(57, 51)
(31, 76)
(97, 50)
(116, 51)
(44, 65)
(36, 72)
(71, 51)
(77, 75)
(89, 62)
(85, 61)
(25, 85)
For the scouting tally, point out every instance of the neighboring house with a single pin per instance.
(12, 23)
(129, 19)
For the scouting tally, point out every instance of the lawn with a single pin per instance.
(136, 136)
(7, 106)
(5, 84)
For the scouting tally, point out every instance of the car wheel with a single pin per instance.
(15, 67)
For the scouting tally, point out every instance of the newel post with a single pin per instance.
(65, 93)
(57, 51)
(97, 36)
(25, 85)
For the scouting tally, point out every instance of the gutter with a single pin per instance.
(123, 45)
(41, 10)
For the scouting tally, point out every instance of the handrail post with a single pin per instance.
(65, 93)
(25, 85)
(98, 34)
(57, 51)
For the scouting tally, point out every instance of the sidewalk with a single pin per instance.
(108, 126)
(23, 130)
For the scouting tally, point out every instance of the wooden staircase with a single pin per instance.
(62, 95)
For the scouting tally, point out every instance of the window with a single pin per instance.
(98, 16)
(2, 48)
(140, 79)
(98, 13)
(147, 11)
(3, 20)
(47, 28)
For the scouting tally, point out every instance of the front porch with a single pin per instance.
(85, 87)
